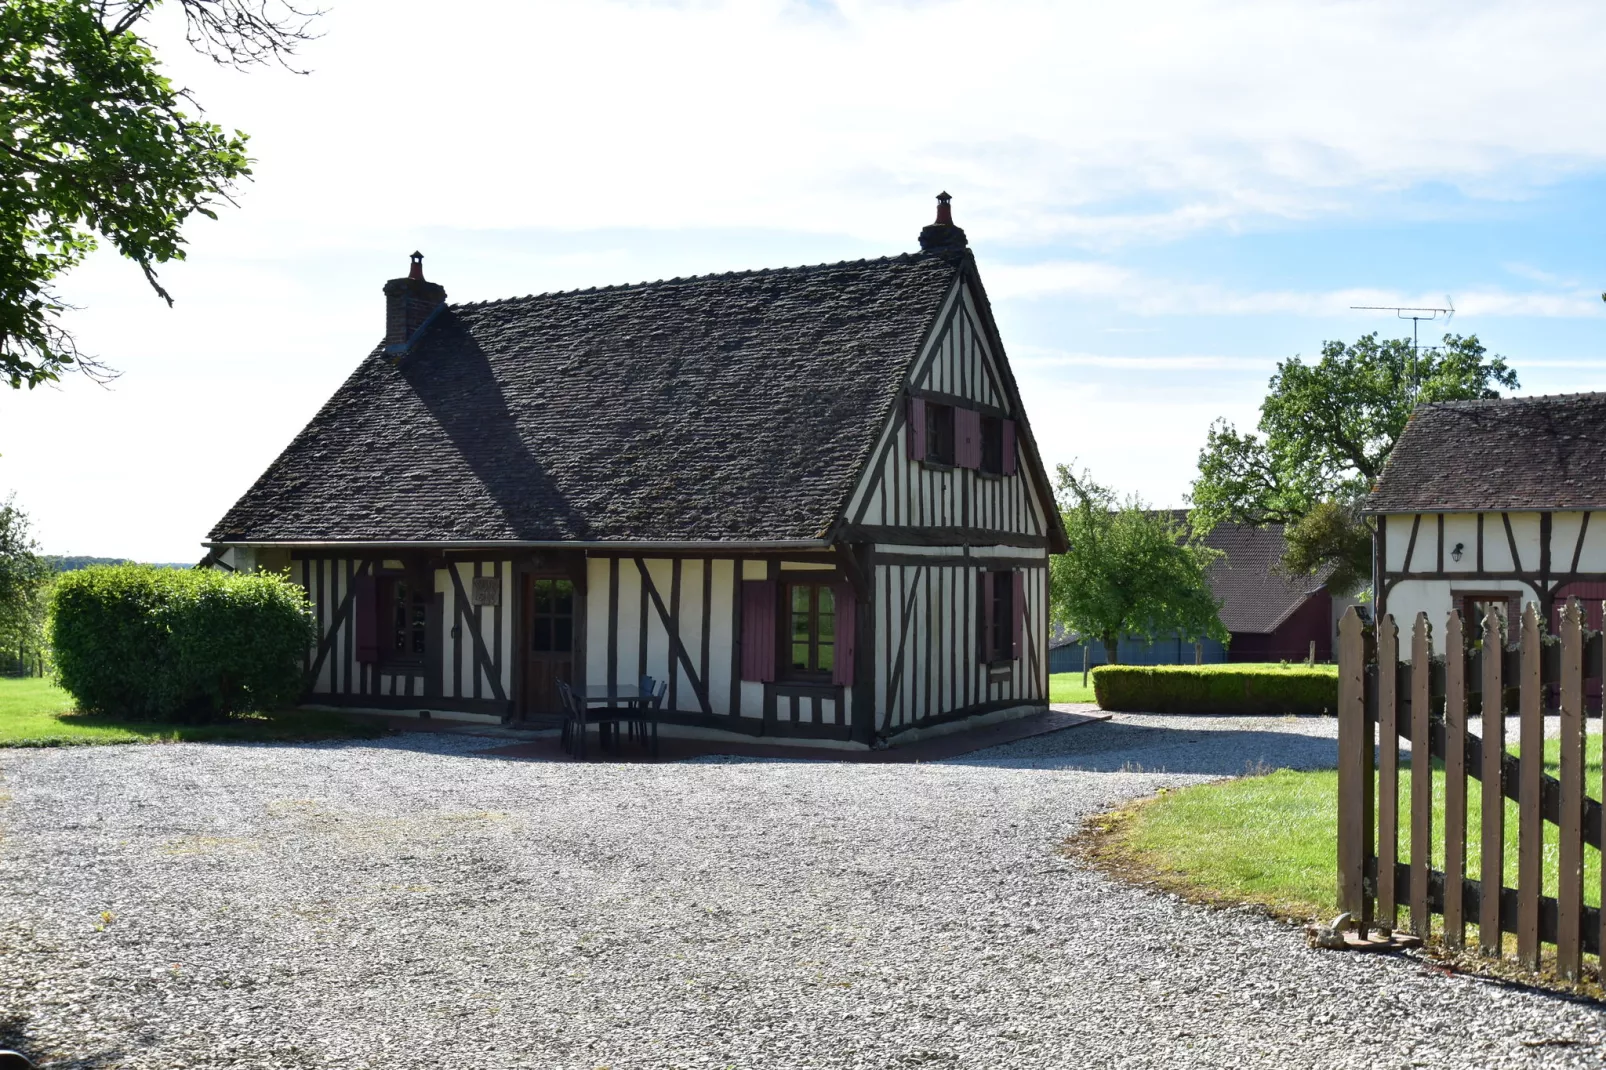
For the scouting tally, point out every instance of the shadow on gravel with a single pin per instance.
(15, 1036)
(1124, 748)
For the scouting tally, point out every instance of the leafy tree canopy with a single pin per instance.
(1325, 433)
(1129, 570)
(24, 578)
(96, 144)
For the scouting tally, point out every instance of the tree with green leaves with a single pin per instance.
(1130, 570)
(1325, 433)
(97, 144)
(24, 587)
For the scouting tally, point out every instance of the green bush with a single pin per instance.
(141, 642)
(1245, 689)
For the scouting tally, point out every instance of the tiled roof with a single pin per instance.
(1508, 453)
(725, 407)
(1255, 597)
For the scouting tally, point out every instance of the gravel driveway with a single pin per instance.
(410, 903)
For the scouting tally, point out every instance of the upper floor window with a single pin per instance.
(992, 445)
(939, 433)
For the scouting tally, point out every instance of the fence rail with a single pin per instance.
(1439, 701)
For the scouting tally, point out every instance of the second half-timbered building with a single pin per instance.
(1493, 504)
(807, 498)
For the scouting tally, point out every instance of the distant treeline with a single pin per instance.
(72, 563)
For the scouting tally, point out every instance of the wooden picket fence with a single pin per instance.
(1438, 699)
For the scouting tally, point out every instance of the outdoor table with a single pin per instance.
(628, 701)
(613, 695)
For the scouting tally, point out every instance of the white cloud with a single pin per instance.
(1043, 117)
(1144, 294)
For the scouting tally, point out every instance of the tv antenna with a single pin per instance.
(1416, 316)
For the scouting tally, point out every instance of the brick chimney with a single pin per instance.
(409, 302)
(942, 236)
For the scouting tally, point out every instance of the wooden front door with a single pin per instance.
(549, 642)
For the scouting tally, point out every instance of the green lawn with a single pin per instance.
(1273, 839)
(1067, 687)
(37, 713)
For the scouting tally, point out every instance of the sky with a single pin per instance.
(1164, 198)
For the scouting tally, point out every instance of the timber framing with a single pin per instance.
(765, 535)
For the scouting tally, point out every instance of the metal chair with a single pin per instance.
(638, 726)
(648, 711)
(574, 721)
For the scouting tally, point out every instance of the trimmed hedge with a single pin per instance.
(1243, 689)
(142, 642)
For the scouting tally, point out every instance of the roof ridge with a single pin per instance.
(683, 280)
(1510, 398)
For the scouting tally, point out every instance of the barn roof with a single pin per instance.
(1507, 453)
(735, 407)
(1256, 597)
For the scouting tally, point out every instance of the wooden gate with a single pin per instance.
(1469, 875)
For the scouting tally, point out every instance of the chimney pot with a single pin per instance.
(942, 236)
(409, 301)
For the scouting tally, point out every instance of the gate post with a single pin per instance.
(1354, 750)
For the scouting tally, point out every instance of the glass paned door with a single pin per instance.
(549, 642)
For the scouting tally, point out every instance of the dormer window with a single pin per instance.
(939, 433)
(992, 445)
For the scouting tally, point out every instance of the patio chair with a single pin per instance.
(638, 726)
(648, 711)
(579, 717)
(574, 721)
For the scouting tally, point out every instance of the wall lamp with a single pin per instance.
(1455, 555)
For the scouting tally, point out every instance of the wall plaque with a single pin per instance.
(487, 591)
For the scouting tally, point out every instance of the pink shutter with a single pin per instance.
(1018, 604)
(846, 618)
(758, 630)
(365, 615)
(967, 438)
(985, 631)
(1009, 447)
(917, 429)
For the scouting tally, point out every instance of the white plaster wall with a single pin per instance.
(596, 638)
(1437, 598)
(722, 595)
(1525, 535)
(1460, 528)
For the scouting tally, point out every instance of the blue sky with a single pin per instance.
(1165, 198)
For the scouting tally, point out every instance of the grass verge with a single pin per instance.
(1067, 687)
(1270, 839)
(36, 713)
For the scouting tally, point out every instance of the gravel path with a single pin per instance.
(408, 903)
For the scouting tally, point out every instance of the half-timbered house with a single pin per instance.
(1493, 504)
(807, 498)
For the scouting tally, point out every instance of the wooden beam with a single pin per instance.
(1410, 546)
(482, 659)
(677, 649)
(937, 535)
(341, 615)
(1511, 541)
